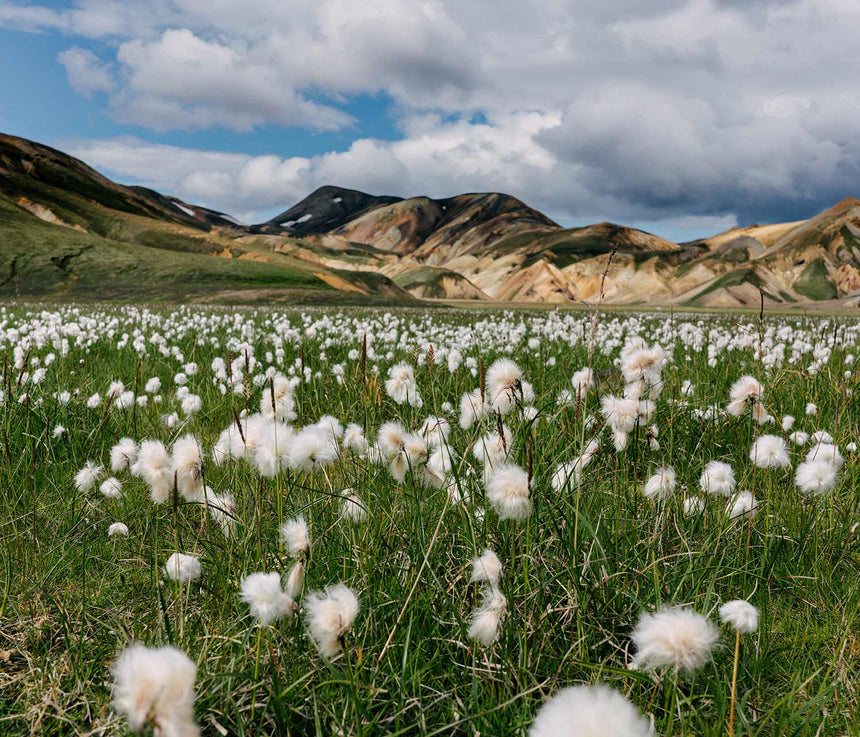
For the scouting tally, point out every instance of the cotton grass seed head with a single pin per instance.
(154, 466)
(589, 711)
(769, 451)
(182, 568)
(486, 568)
(118, 529)
(111, 488)
(741, 615)
(265, 598)
(295, 536)
(156, 686)
(484, 626)
(742, 506)
(661, 485)
(678, 638)
(86, 478)
(718, 478)
(330, 614)
(815, 477)
(123, 455)
(508, 492)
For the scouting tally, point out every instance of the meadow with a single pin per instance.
(505, 497)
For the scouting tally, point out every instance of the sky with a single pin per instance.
(682, 117)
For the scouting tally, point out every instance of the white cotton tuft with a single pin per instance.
(816, 477)
(295, 580)
(278, 405)
(352, 508)
(747, 392)
(741, 615)
(589, 711)
(486, 568)
(401, 386)
(111, 488)
(486, 619)
(508, 492)
(266, 600)
(661, 485)
(118, 528)
(295, 536)
(787, 423)
(154, 466)
(123, 455)
(473, 408)
(182, 567)
(693, 506)
(504, 381)
(718, 478)
(86, 478)
(826, 452)
(187, 461)
(678, 638)
(769, 451)
(156, 686)
(329, 616)
(742, 505)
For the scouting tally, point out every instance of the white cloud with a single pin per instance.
(624, 109)
(87, 73)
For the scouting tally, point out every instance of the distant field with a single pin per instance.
(595, 539)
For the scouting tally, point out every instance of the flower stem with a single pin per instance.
(734, 683)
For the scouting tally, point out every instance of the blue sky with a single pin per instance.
(683, 117)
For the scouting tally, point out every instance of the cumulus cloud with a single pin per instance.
(87, 73)
(627, 110)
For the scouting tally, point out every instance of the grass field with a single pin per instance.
(592, 554)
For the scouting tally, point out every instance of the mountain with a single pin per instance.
(68, 231)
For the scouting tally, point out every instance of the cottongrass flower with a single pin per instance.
(295, 536)
(589, 711)
(798, 437)
(265, 598)
(329, 615)
(815, 477)
(188, 466)
(295, 580)
(811, 409)
(822, 437)
(111, 488)
(155, 686)
(123, 455)
(718, 478)
(504, 382)
(401, 386)
(473, 407)
(568, 474)
(747, 392)
(661, 485)
(278, 405)
(153, 465)
(769, 451)
(693, 506)
(788, 423)
(182, 568)
(486, 618)
(742, 505)
(153, 385)
(486, 568)
(743, 618)
(352, 507)
(493, 448)
(582, 381)
(508, 490)
(741, 615)
(678, 638)
(222, 510)
(354, 440)
(86, 478)
(59, 431)
(826, 452)
(118, 528)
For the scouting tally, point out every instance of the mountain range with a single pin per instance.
(66, 231)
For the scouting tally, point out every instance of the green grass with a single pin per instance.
(814, 282)
(578, 571)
